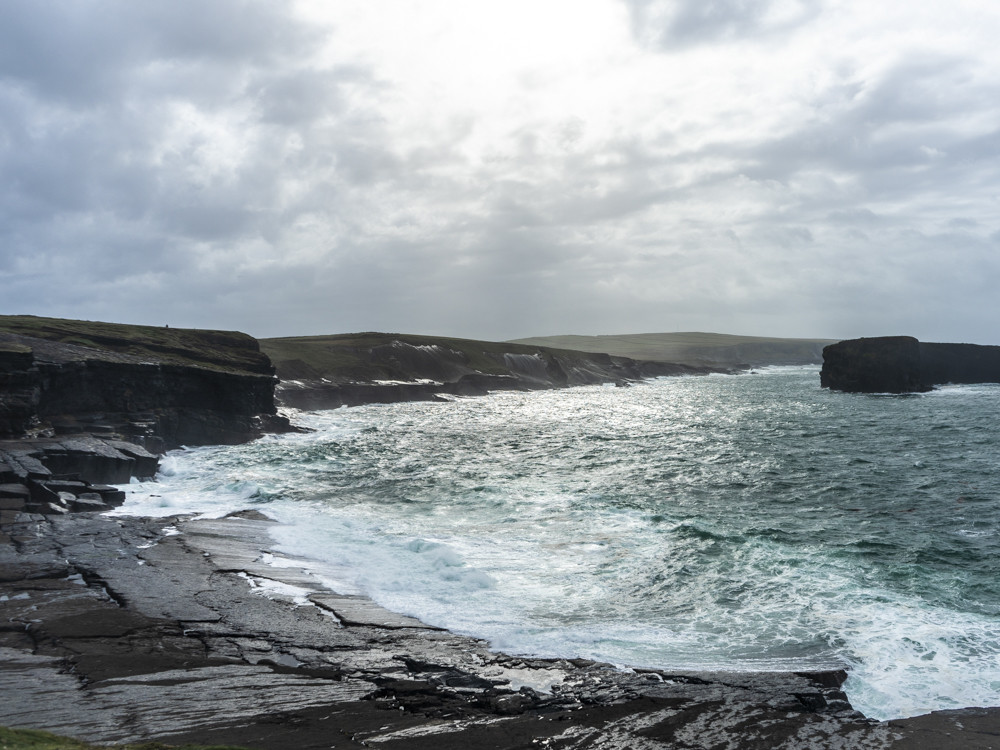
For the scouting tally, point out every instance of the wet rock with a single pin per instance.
(93, 459)
(961, 729)
(89, 501)
(114, 632)
(43, 483)
(14, 497)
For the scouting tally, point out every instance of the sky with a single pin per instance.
(504, 169)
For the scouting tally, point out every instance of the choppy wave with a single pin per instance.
(736, 522)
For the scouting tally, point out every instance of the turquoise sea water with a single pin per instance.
(725, 522)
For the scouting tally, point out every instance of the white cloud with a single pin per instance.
(783, 167)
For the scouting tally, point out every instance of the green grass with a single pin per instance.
(222, 350)
(33, 739)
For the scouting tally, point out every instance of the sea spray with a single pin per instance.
(725, 522)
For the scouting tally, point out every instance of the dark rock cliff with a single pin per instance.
(959, 363)
(160, 388)
(901, 364)
(888, 364)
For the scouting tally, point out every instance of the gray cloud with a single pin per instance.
(672, 23)
(205, 165)
(103, 168)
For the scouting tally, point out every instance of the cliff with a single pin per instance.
(324, 372)
(158, 387)
(901, 364)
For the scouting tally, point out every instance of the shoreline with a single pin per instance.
(127, 628)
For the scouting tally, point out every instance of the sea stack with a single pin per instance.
(902, 364)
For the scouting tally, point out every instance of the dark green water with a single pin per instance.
(728, 522)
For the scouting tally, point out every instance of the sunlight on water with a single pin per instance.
(725, 522)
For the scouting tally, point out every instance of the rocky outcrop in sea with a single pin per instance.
(902, 364)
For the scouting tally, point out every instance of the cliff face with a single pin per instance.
(888, 364)
(160, 388)
(901, 364)
(959, 363)
(324, 372)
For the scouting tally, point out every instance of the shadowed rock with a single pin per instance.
(158, 387)
(901, 364)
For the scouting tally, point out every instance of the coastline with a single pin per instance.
(119, 628)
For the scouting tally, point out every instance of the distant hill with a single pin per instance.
(323, 372)
(696, 349)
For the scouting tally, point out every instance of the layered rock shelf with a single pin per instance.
(178, 630)
(158, 388)
(50, 476)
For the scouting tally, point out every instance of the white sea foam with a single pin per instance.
(644, 526)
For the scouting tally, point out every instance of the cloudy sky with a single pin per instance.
(499, 169)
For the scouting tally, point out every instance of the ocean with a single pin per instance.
(727, 522)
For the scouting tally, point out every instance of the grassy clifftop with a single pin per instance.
(695, 348)
(223, 350)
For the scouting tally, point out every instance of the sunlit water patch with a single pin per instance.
(724, 522)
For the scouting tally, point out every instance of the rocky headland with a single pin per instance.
(902, 364)
(84, 405)
(325, 372)
(157, 387)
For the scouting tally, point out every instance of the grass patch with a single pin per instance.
(33, 739)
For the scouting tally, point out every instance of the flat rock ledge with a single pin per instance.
(180, 630)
